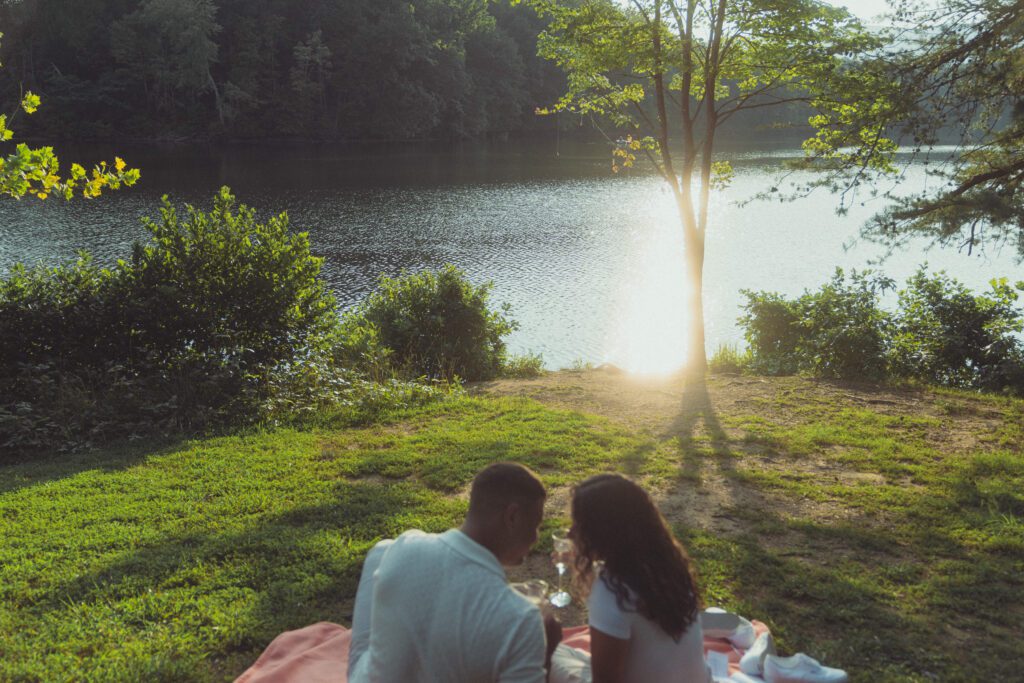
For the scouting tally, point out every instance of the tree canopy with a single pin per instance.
(961, 78)
(672, 73)
(36, 171)
(359, 69)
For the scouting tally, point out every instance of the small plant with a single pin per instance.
(526, 366)
(433, 324)
(728, 359)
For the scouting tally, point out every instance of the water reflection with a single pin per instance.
(650, 311)
(591, 263)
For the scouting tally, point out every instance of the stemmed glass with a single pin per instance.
(561, 557)
(533, 590)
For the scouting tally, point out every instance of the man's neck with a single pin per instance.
(482, 536)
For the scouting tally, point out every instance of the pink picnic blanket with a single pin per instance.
(319, 653)
(314, 654)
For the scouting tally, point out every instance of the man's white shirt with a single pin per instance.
(435, 608)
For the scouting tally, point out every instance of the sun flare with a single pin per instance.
(651, 336)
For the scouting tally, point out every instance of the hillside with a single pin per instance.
(876, 529)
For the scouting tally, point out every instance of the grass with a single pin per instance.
(182, 563)
(524, 366)
(729, 359)
(858, 530)
(913, 572)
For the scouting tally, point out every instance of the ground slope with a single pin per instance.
(880, 530)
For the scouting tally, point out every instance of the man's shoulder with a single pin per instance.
(412, 549)
(413, 540)
(518, 607)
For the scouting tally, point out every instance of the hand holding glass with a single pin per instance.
(533, 590)
(561, 557)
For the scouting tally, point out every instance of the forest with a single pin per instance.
(175, 70)
(357, 69)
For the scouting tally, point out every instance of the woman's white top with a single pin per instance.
(654, 657)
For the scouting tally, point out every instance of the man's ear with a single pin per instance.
(513, 513)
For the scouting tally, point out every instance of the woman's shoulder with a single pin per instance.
(609, 587)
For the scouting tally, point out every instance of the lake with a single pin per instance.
(591, 262)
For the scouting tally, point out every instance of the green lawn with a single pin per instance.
(181, 563)
(858, 536)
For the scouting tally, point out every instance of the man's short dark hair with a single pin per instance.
(498, 485)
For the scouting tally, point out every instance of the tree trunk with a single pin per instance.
(693, 245)
(216, 97)
(696, 355)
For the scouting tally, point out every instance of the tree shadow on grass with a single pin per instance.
(697, 428)
(857, 595)
(847, 596)
(229, 593)
(32, 469)
(633, 461)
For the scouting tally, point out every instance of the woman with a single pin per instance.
(642, 596)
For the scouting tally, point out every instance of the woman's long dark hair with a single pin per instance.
(617, 523)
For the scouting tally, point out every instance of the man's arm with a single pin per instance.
(362, 613)
(524, 658)
(552, 634)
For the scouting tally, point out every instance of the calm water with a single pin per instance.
(590, 262)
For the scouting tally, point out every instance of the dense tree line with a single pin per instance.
(339, 69)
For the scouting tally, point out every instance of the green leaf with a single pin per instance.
(30, 103)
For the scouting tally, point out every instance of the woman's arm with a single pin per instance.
(608, 657)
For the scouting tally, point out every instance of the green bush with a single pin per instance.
(183, 335)
(947, 335)
(838, 331)
(771, 328)
(222, 283)
(844, 332)
(431, 324)
(941, 333)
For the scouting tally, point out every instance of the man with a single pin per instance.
(435, 608)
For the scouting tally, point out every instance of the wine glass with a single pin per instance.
(561, 558)
(533, 590)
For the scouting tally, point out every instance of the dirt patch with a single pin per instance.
(708, 488)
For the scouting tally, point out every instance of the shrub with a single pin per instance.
(433, 324)
(844, 333)
(941, 332)
(526, 366)
(728, 359)
(947, 335)
(222, 283)
(771, 328)
(182, 335)
(838, 331)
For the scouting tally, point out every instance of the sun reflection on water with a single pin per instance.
(651, 305)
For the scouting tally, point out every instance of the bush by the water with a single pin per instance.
(182, 335)
(223, 320)
(838, 331)
(940, 332)
(947, 335)
(433, 324)
(729, 359)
